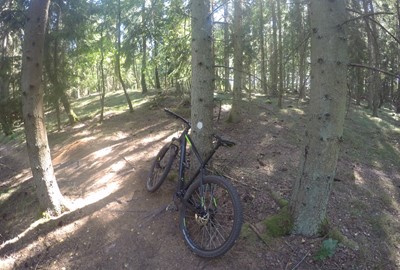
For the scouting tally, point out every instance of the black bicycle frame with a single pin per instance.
(185, 139)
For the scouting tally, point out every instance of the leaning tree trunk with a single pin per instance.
(326, 116)
(202, 77)
(118, 59)
(49, 195)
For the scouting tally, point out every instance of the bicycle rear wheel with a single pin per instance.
(161, 166)
(211, 216)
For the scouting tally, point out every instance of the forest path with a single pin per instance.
(114, 223)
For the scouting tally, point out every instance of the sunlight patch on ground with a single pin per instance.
(102, 152)
(226, 107)
(36, 247)
(156, 137)
(358, 179)
(97, 195)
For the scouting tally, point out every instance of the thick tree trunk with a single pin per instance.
(312, 188)
(49, 195)
(234, 115)
(202, 77)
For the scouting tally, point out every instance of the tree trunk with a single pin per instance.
(262, 49)
(234, 115)
(59, 86)
(118, 59)
(280, 56)
(326, 114)
(156, 73)
(375, 86)
(274, 52)
(101, 78)
(144, 52)
(48, 193)
(5, 108)
(227, 85)
(302, 48)
(202, 77)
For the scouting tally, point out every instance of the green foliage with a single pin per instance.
(279, 224)
(327, 249)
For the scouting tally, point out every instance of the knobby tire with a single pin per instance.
(211, 226)
(161, 166)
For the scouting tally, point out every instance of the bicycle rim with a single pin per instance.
(212, 222)
(161, 167)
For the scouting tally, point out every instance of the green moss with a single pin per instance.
(335, 234)
(326, 230)
(278, 199)
(279, 224)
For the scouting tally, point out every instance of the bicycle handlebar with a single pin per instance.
(177, 116)
(220, 141)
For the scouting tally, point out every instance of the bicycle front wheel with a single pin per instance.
(211, 216)
(161, 166)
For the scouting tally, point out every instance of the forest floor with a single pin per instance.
(114, 223)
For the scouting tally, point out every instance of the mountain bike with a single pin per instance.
(211, 216)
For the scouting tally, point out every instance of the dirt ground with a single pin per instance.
(114, 223)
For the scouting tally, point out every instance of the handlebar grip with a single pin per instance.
(177, 116)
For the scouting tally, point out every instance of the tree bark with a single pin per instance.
(234, 115)
(302, 48)
(118, 59)
(56, 69)
(280, 56)
(274, 52)
(375, 87)
(326, 114)
(202, 77)
(262, 48)
(101, 77)
(49, 195)
(144, 52)
(227, 84)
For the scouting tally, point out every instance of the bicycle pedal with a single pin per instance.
(172, 207)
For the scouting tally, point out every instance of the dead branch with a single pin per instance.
(374, 69)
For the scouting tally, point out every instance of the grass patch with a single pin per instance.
(327, 249)
(368, 139)
(279, 224)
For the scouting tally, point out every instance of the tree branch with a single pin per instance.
(374, 69)
(368, 15)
